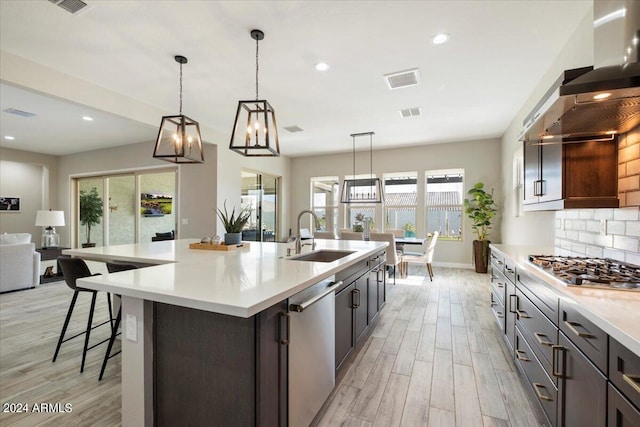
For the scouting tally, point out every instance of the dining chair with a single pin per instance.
(72, 270)
(393, 257)
(351, 235)
(425, 258)
(398, 232)
(114, 267)
(324, 235)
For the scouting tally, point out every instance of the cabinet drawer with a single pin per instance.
(510, 269)
(624, 371)
(498, 284)
(621, 412)
(542, 296)
(497, 260)
(498, 310)
(540, 332)
(543, 388)
(589, 338)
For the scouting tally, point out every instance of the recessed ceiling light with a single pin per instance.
(440, 38)
(87, 118)
(602, 96)
(8, 137)
(322, 66)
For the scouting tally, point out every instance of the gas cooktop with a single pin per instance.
(591, 272)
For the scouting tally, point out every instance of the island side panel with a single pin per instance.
(137, 362)
(204, 368)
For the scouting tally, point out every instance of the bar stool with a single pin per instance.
(73, 269)
(113, 267)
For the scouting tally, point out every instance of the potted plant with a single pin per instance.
(357, 224)
(409, 230)
(480, 208)
(91, 211)
(233, 224)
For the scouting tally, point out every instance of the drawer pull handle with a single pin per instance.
(537, 387)
(519, 355)
(494, 277)
(286, 317)
(511, 303)
(500, 285)
(633, 381)
(499, 314)
(555, 350)
(539, 336)
(509, 270)
(572, 327)
(522, 314)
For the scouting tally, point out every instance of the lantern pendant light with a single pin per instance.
(179, 139)
(362, 190)
(255, 132)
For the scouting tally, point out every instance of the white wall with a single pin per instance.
(29, 176)
(480, 160)
(537, 228)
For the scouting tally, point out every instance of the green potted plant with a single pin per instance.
(480, 208)
(233, 224)
(409, 230)
(91, 210)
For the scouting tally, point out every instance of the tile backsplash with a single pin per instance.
(602, 233)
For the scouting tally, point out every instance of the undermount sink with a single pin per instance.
(322, 255)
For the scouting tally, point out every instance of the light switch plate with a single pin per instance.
(132, 328)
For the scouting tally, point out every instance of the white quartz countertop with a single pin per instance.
(240, 282)
(615, 312)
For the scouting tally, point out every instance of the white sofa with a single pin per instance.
(19, 262)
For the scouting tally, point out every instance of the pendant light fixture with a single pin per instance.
(255, 132)
(179, 139)
(362, 190)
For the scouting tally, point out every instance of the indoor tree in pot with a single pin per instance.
(480, 208)
(91, 210)
(233, 224)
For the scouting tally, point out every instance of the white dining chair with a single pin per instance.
(351, 235)
(393, 257)
(426, 258)
(324, 235)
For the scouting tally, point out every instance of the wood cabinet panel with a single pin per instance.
(361, 299)
(551, 167)
(589, 338)
(624, 371)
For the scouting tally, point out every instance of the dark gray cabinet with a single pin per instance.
(345, 334)
(621, 412)
(582, 388)
(239, 365)
(358, 302)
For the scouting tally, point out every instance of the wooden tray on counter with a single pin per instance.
(220, 247)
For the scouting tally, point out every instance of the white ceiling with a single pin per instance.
(471, 87)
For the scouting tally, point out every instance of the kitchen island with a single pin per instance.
(203, 330)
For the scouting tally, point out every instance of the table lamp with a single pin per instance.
(50, 219)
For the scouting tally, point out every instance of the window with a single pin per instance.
(356, 212)
(445, 203)
(324, 202)
(400, 202)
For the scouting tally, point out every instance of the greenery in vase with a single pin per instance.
(409, 227)
(480, 208)
(231, 222)
(91, 209)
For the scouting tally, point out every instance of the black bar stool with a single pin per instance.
(114, 267)
(73, 269)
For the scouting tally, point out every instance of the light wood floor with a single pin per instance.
(436, 358)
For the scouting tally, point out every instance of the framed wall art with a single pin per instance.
(9, 204)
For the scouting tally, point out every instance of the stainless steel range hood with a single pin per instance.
(588, 104)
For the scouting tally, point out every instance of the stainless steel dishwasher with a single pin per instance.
(311, 350)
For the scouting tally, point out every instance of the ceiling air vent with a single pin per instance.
(72, 6)
(411, 112)
(401, 79)
(292, 129)
(19, 112)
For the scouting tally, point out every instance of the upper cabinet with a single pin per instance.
(565, 176)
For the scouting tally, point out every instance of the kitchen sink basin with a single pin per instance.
(322, 255)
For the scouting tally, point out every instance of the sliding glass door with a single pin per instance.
(260, 193)
(125, 208)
